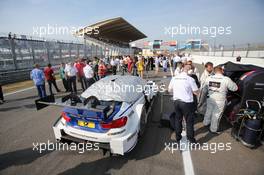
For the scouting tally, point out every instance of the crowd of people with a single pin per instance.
(87, 71)
(189, 89)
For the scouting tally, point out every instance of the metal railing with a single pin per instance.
(19, 53)
(243, 50)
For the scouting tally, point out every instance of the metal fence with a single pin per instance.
(18, 55)
(243, 50)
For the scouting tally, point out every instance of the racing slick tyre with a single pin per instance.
(143, 121)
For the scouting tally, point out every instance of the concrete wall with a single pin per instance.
(220, 60)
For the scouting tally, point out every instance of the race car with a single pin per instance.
(250, 82)
(112, 113)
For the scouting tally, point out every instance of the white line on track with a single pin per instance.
(186, 156)
(26, 89)
(22, 90)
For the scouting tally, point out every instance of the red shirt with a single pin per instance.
(48, 73)
(101, 70)
(79, 66)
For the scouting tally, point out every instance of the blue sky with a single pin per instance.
(246, 17)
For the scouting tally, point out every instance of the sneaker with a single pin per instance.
(215, 133)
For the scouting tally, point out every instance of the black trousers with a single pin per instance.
(89, 81)
(65, 84)
(53, 82)
(72, 84)
(185, 110)
(114, 70)
(82, 80)
(1, 93)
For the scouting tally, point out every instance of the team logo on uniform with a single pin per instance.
(214, 84)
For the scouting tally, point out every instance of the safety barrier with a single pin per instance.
(19, 53)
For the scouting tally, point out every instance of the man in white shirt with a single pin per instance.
(209, 67)
(193, 70)
(156, 65)
(117, 62)
(71, 73)
(165, 64)
(89, 74)
(176, 60)
(183, 88)
(218, 86)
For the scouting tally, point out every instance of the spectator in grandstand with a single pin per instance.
(101, 69)
(71, 74)
(63, 77)
(79, 65)
(1, 95)
(37, 75)
(89, 73)
(51, 79)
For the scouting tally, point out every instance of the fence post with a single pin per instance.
(91, 48)
(33, 53)
(60, 51)
(223, 48)
(85, 51)
(13, 52)
(247, 50)
(48, 52)
(96, 47)
(70, 52)
(214, 49)
(78, 50)
(233, 50)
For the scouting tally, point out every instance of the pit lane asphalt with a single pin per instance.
(21, 126)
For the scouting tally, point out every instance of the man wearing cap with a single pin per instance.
(218, 86)
(183, 87)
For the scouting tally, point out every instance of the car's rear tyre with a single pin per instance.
(143, 121)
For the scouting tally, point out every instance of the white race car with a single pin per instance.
(111, 113)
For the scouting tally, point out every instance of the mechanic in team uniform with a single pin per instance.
(183, 87)
(218, 86)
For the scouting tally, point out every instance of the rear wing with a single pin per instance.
(71, 101)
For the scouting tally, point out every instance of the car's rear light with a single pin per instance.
(67, 118)
(118, 123)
